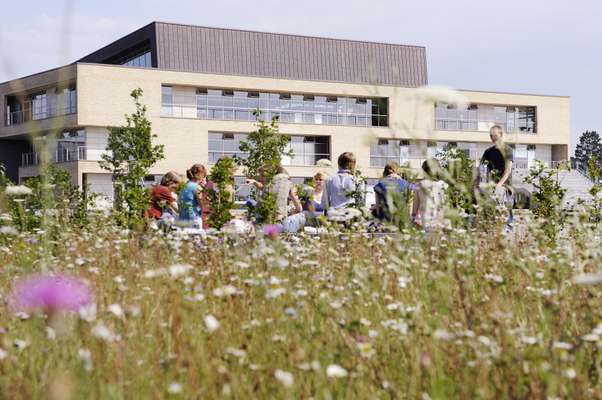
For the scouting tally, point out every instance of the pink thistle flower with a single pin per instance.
(272, 230)
(50, 294)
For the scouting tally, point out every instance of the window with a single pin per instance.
(480, 117)
(307, 150)
(228, 104)
(39, 105)
(387, 150)
(143, 59)
(167, 100)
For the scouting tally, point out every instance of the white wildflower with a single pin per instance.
(20, 344)
(570, 373)
(227, 290)
(88, 313)
(494, 278)
(211, 323)
(174, 388)
(442, 334)
(441, 94)
(116, 310)
(177, 270)
(50, 333)
(238, 353)
(9, 231)
(286, 378)
(100, 331)
(529, 340)
(336, 371)
(590, 337)
(276, 292)
(588, 279)
(562, 346)
(86, 356)
(17, 190)
(3, 354)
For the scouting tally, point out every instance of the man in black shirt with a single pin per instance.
(498, 160)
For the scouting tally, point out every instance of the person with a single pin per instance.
(284, 191)
(392, 184)
(314, 203)
(429, 200)
(339, 188)
(205, 186)
(497, 161)
(191, 197)
(164, 204)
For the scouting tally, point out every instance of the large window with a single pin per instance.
(387, 150)
(307, 150)
(41, 105)
(141, 59)
(239, 105)
(480, 117)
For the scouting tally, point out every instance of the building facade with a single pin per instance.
(201, 86)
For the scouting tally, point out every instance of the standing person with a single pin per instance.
(498, 160)
(164, 198)
(191, 197)
(428, 210)
(339, 188)
(392, 184)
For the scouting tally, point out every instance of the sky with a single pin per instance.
(527, 46)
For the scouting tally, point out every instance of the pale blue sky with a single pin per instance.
(531, 46)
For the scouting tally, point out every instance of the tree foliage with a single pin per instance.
(589, 145)
(129, 158)
(265, 147)
(221, 196)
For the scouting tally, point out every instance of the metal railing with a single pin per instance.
(79, 153)
(22, 116)
(231, 113)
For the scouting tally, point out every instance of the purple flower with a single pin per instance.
(272, 230)
(50, 294)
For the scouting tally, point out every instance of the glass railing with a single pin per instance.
(22, 116)
(79, 153)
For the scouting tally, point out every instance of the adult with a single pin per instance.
(390, 187)
(428, 210)
(339, 188)
(283, 190)
(191, 197)
(164, 197)
(498, 161)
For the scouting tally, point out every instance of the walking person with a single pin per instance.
(498, 160)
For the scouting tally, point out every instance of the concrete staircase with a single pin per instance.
(576, 184)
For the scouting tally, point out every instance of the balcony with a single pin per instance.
(80, 153)
(27, 115)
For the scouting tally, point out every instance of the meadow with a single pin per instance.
(454, 314)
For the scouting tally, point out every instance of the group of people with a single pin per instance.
(330, 192)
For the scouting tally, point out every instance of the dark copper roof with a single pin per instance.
(237, 52)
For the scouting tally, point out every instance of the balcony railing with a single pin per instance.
(22, 116)
(80, 153)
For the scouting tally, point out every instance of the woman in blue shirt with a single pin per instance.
(190, 196)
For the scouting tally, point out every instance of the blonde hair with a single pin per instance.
(321, 174)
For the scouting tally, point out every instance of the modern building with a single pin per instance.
(201, 86)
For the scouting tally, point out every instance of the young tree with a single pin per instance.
(221, 194)
(589, 145)
(265, 148)
(129, 157)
